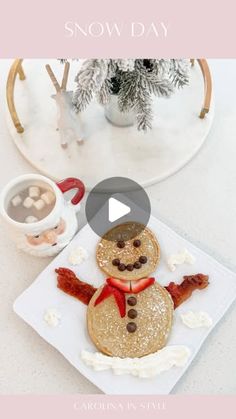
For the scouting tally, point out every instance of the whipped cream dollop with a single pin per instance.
(52, 317)
(77, 255)
(145, 367)
(196, 319)
(179, 258)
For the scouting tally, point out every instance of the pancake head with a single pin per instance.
(125, 255)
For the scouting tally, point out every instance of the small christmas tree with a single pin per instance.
(134, 81)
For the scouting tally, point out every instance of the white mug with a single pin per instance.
(49, 235)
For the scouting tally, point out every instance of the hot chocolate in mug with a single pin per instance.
(46, 236)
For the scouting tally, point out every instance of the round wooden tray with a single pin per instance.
(180, 128)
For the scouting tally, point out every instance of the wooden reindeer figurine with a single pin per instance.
(68, 123)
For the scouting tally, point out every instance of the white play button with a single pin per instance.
(114, 201)
(116, 209)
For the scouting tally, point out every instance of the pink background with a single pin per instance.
(109, 407)
(197, 28)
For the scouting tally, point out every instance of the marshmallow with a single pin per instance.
(34, 191)
(48, 197)
(39, 204)
(31, 219)
(28, 202)
(16, 200)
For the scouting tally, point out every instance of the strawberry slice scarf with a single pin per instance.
(118, 288)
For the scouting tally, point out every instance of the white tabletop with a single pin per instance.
(199, 201)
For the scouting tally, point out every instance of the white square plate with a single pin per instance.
(70, 337)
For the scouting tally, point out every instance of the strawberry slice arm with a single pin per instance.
(180, 293)
(119, 296)
(120, 301)
(70, 284)
(105, 293)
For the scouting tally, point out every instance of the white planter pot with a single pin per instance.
(116, 117)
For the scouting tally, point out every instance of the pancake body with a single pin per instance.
(108, 331)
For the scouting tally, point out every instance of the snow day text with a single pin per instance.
(113, 29)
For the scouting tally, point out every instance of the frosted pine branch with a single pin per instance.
(125, 65)
(81, 99)
(179, 72)
(143, 111)
(134, 81)
(135, 95)
(89, 80)
(128, 91)
(103, 96)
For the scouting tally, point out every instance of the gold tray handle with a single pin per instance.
(15, 69)
(207, 85)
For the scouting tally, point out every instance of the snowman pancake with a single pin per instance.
(130, 315)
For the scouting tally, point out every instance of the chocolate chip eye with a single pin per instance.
(55, 227)
(120, 244)
(37, 236)
(137, 243)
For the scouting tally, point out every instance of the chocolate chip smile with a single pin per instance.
(131, 266)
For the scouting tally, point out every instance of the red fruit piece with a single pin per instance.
(121, 284)
(120, 301)
(105, 293)
(131, 286)
(141, 284)
(119, 296)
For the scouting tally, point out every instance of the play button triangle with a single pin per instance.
(116, 209)
(115, 201)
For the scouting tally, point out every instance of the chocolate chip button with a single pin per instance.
(132, 313)
(132, 301)
(131, 327)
